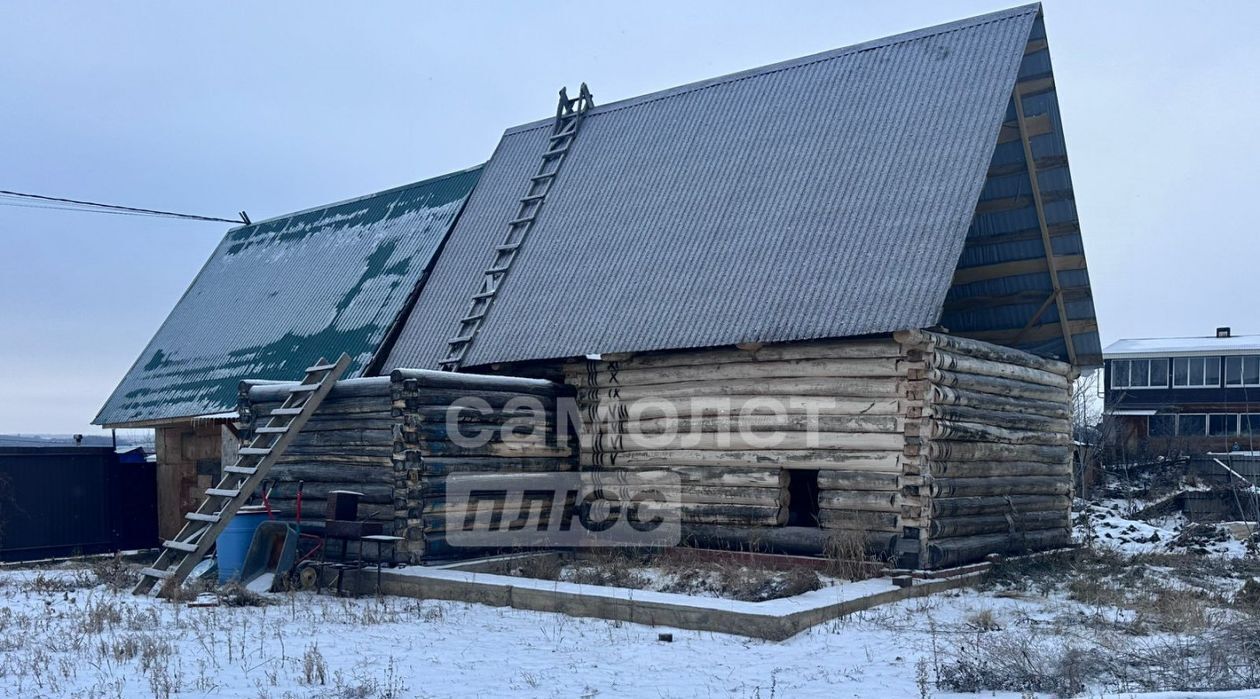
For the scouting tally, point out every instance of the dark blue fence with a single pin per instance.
(64, 501)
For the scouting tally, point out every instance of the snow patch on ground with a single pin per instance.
(1111, 524)
(61, 640)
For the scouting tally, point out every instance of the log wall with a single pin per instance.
(386, 437)
(995, 471)
(935, 449)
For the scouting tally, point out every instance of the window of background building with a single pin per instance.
(1242, 371)
(1139, 373)
(1162, 425)
(1223, 425)
(1196, 372)
(1191, 425)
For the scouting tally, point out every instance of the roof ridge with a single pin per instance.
(799, 62)
(361, 197)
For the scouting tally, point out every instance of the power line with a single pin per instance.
(97, 207)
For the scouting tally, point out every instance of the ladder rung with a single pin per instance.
(181, 546)
(533, 197)
(222, 492)
(485, 294)
(543, 176)
(254, 451)
(271, 430)
(521, 220)
(155, 573)
(507, 248)
(320, 367)
(459, 340)
(470, 318)
(304, 388)
(286, 411)
(498, 270)
(199, 517)
(556, 152)
(565, 133)
(243, 470)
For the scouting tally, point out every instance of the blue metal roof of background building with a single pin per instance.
(827, 196)
(279, 294)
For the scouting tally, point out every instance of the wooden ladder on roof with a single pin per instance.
(569, 115)
(181, 554)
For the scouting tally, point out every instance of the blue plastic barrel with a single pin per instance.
(233, 542)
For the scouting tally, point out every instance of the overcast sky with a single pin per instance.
(273, 108)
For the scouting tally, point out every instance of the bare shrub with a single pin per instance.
(846, 555)
(114, 573)
(1001, 662)
(616, 568)
(44, 583)
(983, 620)
(541, 567)
(99, 615)
(1068, 660)
(755, 585)
(235, 594)
(1248, 598)
(314, 667)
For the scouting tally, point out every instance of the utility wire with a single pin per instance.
(109, 208)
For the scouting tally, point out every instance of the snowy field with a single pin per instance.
(71, 631)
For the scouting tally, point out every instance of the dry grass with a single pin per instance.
(1146, 623)
(847, 558)
(677, 572)
(91, 638)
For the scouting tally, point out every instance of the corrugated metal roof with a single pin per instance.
(827, 196)
(279, 294)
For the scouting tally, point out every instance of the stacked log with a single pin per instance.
(995, 476)
(348, 444)
(519, 431)
(932, 447)
(732, 423)
(938, 448)
(389, 438)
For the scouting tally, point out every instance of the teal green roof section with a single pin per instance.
(278, 295)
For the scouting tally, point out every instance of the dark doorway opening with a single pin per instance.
(802, 498)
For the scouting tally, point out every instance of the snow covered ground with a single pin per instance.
(1108, 523)
(63, 634)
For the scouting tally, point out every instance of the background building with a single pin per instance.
(1184, 394)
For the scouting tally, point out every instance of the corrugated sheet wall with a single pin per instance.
(993, 301)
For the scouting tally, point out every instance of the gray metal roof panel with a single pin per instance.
(278, 294)
(827, 196)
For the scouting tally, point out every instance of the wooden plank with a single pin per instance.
(243, 485)
(1041, 216)
(998, 270)
(827, 349)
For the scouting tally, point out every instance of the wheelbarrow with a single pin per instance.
(277, 557)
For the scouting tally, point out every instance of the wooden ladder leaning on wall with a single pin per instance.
(181, 554)
(569, 114)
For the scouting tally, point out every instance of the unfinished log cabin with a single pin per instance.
(880, 239)
(274, 297)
